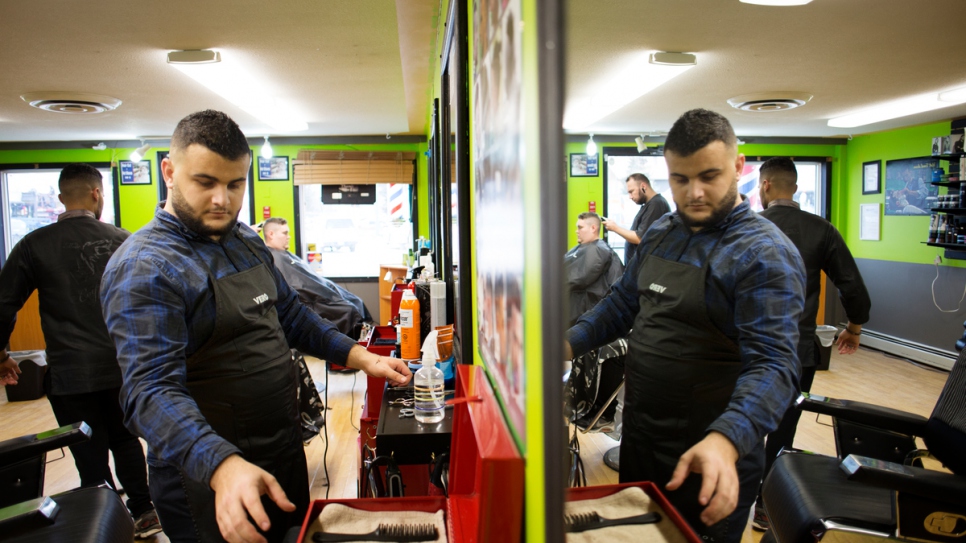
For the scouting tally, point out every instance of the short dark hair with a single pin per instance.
(214, 130)
(76, 180)
(274, 220)
(590, 215)
(696, 129)
(639, 177)
(781, 171)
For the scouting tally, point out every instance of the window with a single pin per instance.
(30, 202)
(340, 240)
(619, 207)
(811, 185)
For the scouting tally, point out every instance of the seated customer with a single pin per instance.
(592, 266)
(327, 299)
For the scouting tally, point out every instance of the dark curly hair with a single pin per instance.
(214, 130)
(696, 129)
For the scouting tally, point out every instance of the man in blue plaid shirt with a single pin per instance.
(712, 300)
(203, 324)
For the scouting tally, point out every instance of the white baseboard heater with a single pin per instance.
(925, 354)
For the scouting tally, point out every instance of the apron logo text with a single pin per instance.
(260, 298)
(657, 288)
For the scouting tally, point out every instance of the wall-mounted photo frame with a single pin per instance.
(908, 186)
(135, 173)
(872, 177)
(582, 165)
(273, 169)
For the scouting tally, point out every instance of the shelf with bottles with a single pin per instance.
(960, 246)
(953, 210)
(951, 157)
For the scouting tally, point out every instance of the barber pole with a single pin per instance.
(396, 200)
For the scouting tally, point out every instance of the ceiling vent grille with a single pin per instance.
(70, 102)
(770, 101)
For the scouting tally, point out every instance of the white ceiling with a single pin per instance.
(847, 53)
(365, 67)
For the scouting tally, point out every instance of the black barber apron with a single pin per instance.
(244, 380)
(680, 372)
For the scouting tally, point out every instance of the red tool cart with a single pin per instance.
(485, 501)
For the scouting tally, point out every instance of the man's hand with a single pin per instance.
(239, 486)
(714, 457)
(393, 369)
(9, 370)
(568, 351)
(848, 342)
(608, 224)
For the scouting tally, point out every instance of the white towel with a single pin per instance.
(626, 503)
(338, 518)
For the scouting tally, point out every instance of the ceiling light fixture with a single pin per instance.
(645, 73)
(902, 107)
(100, 146)
(139, 153)
(266, 149)
(591, 146)
(777, 2)
(639, 140)
(766, 102)
(227, 78)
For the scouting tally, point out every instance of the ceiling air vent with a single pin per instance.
(71, 102)
(770, 101)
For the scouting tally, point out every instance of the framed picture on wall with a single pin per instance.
(135, 173)
(908, 187)
(582, 165)
(273, 169)
(872, 177)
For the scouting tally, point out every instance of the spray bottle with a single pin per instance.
(428, 385)
(409, 325)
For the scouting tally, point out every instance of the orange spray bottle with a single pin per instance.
(409, 326)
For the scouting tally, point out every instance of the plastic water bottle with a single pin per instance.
(428, 385)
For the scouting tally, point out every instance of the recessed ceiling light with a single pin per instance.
(902, 107)
(71, 102)
(645, 73)
(777, 2)
(226, 77)
(764, 102)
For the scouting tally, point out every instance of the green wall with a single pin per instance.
(901, 237)
(581, 190)
(137, 202)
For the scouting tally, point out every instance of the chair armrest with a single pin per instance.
(864, 413)
(931, 484)
(20, 448)
(25, 516)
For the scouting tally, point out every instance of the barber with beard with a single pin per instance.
(203, 324)
(653, 207)
(713, 294)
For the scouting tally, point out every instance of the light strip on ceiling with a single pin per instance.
(225, 76)
(635, 79)
(902, 107)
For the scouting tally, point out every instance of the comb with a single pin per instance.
(402, 533)
(582, 522)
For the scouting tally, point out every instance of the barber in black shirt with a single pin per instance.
(823, 249)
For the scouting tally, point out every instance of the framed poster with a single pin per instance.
(135, 173)
(500, 162)
(582, 165)
(908, 186)
(869, 222)
(273, 169)
(872, 177)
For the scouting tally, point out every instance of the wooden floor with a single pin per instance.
(868, 376)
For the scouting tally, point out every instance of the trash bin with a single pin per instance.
(33, 367)
(824, 338)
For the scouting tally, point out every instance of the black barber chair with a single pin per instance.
(82, 515)
(869, 496)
